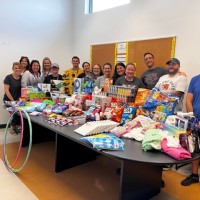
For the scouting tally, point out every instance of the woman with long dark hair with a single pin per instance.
(119, 71)
(33, 76)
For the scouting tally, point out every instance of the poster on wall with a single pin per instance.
(121, 58)
(121, 48)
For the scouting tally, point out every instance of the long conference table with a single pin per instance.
(141, 172)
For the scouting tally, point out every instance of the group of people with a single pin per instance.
(169, 80)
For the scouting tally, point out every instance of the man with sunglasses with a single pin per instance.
(72, 73)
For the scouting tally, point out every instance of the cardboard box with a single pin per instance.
(103, 101)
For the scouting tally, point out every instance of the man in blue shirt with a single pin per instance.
(193, 105)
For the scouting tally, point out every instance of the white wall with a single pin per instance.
(34, 28)
(142, 19)
(59, 29)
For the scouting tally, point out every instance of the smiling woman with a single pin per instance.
(99, 5)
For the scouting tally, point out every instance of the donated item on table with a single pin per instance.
(72, 112)
(47, 111)
(175, 131)
(158, 98)
(44, 87)
(37, 95)
(104, 141)
(127, 93)
(87, 85)
(25, 91)
(135, 133)
(147, 112)
(179, 122)
(58, 108)
(58, 86)
(32, 93)
(62, 98)
(152, 140)
(81, 119)
(118, 108)
(34, 106)
(77, 85)
(79, 100)
(122, 130)
(142, 96)
(102, 101)
(96, 127)
(59, 121)
(159, 116)
(55, 96)
(128, 114)
(160, 102)
(107, 83)
(178, 153)
(186, 128)
(40, 107)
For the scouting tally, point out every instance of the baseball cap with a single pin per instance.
(55, 65)
(173, 60)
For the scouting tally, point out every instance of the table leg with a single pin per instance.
(139, 181)
(39, 134)
(70, 154)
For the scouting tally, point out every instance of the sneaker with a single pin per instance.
(189, 180)
(18, 129)
(167, 167)
(13, 132)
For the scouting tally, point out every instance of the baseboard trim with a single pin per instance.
(2, 126)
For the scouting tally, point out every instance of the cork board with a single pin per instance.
(162, 49)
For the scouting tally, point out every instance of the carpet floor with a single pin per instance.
(94, 180)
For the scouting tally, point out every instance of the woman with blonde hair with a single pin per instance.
(46, 68)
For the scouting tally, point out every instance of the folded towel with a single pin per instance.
(178, 153)
(152, 140)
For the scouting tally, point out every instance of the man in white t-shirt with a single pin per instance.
(173, 83)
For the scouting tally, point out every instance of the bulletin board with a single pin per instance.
(162, 49)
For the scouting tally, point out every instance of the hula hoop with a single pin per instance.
(8, 165)
(21, 136)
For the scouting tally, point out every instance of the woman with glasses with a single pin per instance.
(12, 89)
(107, 70)
(96, 71)
(25, 64)
(33, 76)
(46, 68)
